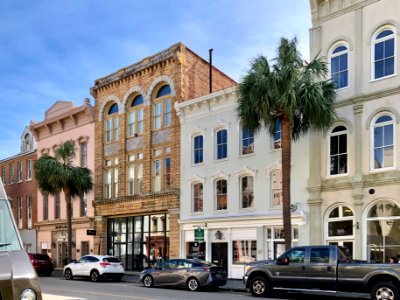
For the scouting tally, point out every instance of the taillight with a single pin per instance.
(104, 264)
(206, 269)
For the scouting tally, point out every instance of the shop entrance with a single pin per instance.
(219, 255)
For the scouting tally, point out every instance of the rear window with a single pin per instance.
(41, 256)
(111, 259)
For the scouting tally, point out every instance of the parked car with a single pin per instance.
(189, 273)
(18, 279)
(42, 263)
(95, 267)
(322, 268)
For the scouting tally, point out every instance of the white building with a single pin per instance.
(231, 186)
(355, 168)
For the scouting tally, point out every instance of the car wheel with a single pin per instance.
(94, 276)
(259, 287)
(68, 274)
(385, 291)
(193, 284)
(148, 281)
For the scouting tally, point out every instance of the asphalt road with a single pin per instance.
(56, 288)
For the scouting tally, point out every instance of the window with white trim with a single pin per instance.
(162, 108)
(338, 150)
(197, 192)
(3, 174)
(222, 144)
(19, 171)
(111, 124)
(276, 188)
(82, 205)
(84, 154)
(20, 212)
(339, 66)
(383, 53)
(111, 178)
(221, 190)
(161, 170)
(28, 169)
(12, 175)
(198, 149)
(277, 134)
(246, 192)
(247, 141)
(29, 211)
(383, 142)
(135, 116)
(135, 174)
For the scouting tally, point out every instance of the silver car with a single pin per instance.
(18, 278)
(189, 273)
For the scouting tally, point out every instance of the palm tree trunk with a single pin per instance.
(69, 224)
(286, 161)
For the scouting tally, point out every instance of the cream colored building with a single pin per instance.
(64, 121)
(231, 186)
(354, 191)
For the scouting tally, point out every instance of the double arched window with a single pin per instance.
(339, 63)
(111, 124)
(162, 108)
(383, 52)
(135, 116)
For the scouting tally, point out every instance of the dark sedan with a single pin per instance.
(189, 273)
(42, 263)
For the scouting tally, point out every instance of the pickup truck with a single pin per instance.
(324, 269)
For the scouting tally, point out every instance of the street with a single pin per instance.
(57, 288)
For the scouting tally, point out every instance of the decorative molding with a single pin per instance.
(135, 89)
(107, 100)
(381, 110)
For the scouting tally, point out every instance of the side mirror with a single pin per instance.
(283, 261)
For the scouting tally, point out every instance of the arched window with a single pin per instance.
(383, 231)
(222, 144)
(383, 53)
(135, 116)
(111, 124)
(162, 108)
(383, 142)
(221, 190)
(246, 192)
(340, 227)
(338, 150)
(198, 149)
(340, 66)
(197, 192)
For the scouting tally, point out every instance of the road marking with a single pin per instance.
(91, 293)
(57, 297)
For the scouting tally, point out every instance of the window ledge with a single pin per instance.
(382, 170)
(337, 176)
(197, 213)
(221, 211)
(221, 160)
(246, 209)
(382, 78)
(247, 155)
(198, 164)
(342, 88)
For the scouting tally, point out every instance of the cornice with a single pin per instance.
(359, 99)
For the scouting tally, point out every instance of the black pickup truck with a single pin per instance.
(322, 268)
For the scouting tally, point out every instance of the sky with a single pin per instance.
(54, 50)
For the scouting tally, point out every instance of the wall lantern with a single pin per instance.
(218, 235)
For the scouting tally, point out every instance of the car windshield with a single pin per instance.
(9, 238)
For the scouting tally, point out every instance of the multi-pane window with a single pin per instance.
(161, 170)
(111, 178)
(157, 176)
(28, 169)
(276, 187)
(339, 67)
(82, 205)
(384, 54)
(167, 173)
(383, 142)
(222, 144)
(135, 116)
(111, 124)
(244, 251)
(338, 150)
(341, 227)
(135, 174)
(247, 141)
(221, 189)
(3, 174)
(162, 108)
(198, 149)
(197, 197)
(20, 212)
(12, 174)
(83, 154)
(246, 191)
(57, 206)
(45, 207)
(278, 134)
(19, 171)
(29, 211)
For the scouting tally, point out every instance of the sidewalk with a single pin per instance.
(133, 277)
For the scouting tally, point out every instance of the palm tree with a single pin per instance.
(296, 93)
(56, 174)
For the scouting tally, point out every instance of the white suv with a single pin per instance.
(95, 267)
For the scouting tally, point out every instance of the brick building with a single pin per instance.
(64, 121)
(137, 153)
(20, 185)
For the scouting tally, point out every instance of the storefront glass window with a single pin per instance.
(244, 251)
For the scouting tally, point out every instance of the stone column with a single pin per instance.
(173, 232)
(100, 240)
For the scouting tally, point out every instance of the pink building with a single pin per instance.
(64, 121)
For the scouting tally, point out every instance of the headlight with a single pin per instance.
(246, 268)
(28, 294)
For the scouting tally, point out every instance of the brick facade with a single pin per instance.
(187, 74)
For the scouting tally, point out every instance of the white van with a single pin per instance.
(18, 278)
